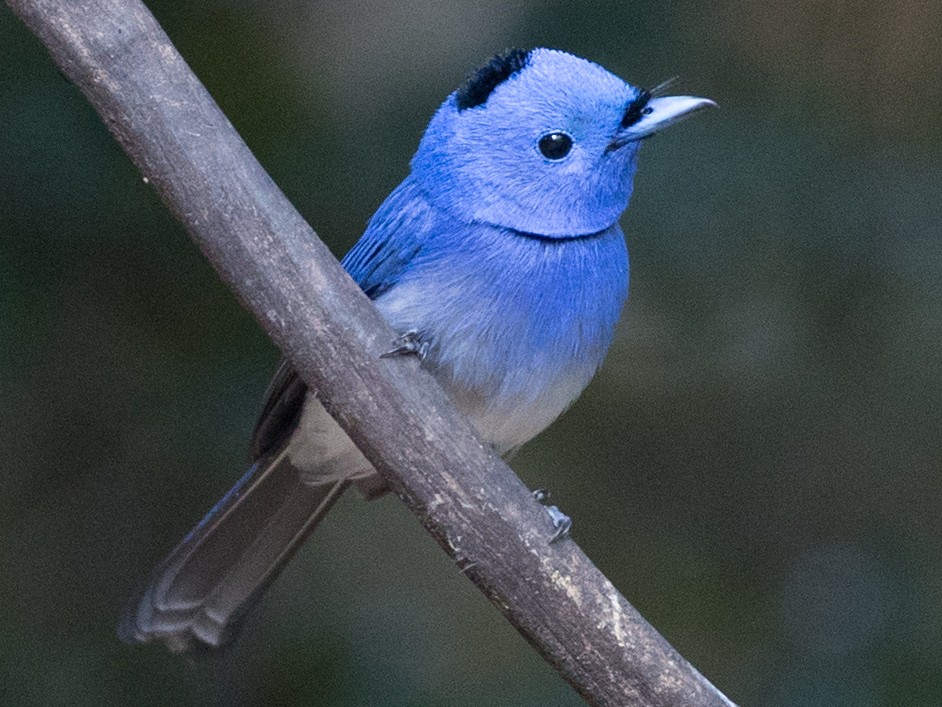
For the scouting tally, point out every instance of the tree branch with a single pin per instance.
(466, 497)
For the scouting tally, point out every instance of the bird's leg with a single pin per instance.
(408, 343)
(561, 521)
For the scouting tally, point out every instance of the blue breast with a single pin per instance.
(517, 325)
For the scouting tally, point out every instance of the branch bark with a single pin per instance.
(465, 497)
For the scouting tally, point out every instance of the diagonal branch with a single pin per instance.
(467, 498)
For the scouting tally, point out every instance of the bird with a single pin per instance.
(500, 263)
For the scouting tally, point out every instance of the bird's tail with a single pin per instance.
(198, 593)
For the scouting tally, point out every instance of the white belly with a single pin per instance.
(508, 388)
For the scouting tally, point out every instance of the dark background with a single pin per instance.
(756, 467)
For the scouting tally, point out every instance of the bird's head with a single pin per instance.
(541, 142)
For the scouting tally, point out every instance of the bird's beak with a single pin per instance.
(661, 113)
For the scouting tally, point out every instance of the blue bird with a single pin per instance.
(499, 260)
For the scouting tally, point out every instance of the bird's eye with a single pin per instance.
(555, 146)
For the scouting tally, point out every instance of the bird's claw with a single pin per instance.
(407, 344)
(561, 521)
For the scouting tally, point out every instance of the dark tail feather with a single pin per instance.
(198, 593)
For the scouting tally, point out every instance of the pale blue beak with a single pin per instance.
(663, 112)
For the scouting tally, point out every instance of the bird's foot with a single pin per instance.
(561, 521)
(406, 344)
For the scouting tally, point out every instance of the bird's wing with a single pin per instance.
(394, 236)
(284, 401)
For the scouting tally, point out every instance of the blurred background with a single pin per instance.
(756, 467)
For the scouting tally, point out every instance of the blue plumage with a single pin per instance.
(483, 164)
(514, 327)
(500, 258)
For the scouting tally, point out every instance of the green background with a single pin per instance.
(756, 467)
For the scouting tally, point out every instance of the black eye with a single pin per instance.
(555, 146)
